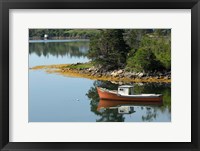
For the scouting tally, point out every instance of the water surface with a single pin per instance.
(55, 98)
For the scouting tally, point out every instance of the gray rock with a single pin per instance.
(126, 74)
(166, 77)
(114, 74)
(140, 75)
(92, 74)
(91, 69)
(119, 71)
(134, 73)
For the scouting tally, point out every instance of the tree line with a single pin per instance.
(70, 33)
(141, 50)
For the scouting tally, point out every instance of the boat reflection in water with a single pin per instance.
(125, 107)
(124, 99)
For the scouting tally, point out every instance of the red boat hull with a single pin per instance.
(112, 96)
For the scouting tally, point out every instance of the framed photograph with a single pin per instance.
(99, 75)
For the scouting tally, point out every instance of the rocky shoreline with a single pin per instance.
(99, 74)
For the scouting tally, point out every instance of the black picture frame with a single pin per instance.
(5, 5)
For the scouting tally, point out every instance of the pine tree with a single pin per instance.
(109, 49)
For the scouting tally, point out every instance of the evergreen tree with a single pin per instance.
(109, 49)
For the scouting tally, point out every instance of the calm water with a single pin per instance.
(55, 98)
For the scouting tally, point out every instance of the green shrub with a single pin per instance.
(154, 53)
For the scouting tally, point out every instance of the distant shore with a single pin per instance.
(58, 38)
(87, 70)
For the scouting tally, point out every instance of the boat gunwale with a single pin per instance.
(131, 96)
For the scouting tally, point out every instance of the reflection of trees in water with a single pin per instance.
(73, 49)
(105, 115)
(159, 88)
(151, 113)
(111, 115)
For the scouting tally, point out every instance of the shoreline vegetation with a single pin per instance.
(128, 55)
(58, 38)
(61, 34)
(89, 71)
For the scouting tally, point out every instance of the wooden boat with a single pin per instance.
(125, 93)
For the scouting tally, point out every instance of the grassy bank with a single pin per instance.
(80, 66)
